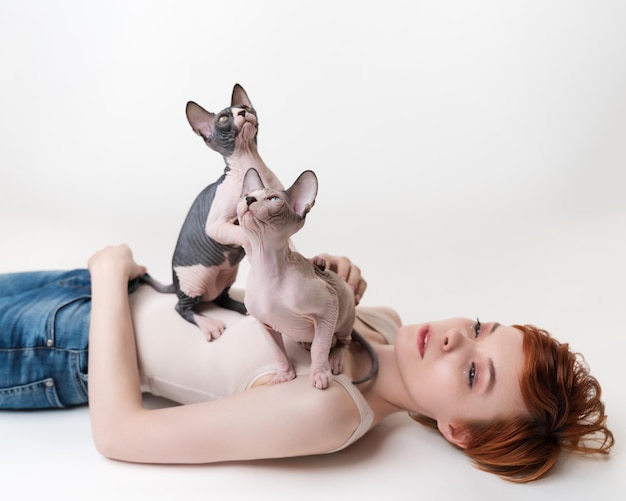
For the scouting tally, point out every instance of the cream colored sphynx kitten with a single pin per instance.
(286, 292)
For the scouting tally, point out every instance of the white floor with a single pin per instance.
(471, 159)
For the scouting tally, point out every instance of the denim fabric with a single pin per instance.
(44, 334)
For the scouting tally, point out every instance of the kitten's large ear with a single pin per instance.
(201, 120)
(302, 193)
(240, 98)
(251, 182)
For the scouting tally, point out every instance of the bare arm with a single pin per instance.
(276, 421)
(114, 388)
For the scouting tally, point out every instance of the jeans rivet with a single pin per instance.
(49, 342)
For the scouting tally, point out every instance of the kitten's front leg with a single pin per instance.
(285, 371)
(321, 372)
(228, 234)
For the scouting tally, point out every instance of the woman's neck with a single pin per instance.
(386, 393)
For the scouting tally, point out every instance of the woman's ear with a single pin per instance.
(456, 435)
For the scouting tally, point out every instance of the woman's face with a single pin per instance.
(460, 370)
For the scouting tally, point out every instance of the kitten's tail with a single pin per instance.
(371, 352)
(155, 284)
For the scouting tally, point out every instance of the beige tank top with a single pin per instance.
(177, 363)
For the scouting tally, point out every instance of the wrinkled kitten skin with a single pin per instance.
(209, 247)
(286, 292)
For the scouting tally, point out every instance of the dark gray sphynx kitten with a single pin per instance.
(287, 292)
(209, 247)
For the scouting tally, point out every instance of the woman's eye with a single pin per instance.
(477, 327)
(223, 119)
(471, 375)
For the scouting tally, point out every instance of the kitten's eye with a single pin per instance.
(274, 199)
(477, 327)
(222, 119)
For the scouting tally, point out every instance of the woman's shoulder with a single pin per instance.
(378, 324)
(389, 313)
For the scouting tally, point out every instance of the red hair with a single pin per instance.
(565, 413)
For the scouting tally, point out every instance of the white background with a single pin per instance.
(471, 158)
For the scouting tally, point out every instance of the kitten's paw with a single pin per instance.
(210, 327)
(320, 378)
(336, 365)
(305, 345)
(336, 359)
(283, 376)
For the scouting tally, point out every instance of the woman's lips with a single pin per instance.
(422, 339)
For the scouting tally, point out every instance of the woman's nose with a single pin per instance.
(452, 340)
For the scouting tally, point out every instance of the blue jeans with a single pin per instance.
(44, 337)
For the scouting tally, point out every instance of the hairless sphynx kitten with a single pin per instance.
(287, 292)
(209, 247)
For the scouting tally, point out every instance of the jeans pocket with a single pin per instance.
(37, 395)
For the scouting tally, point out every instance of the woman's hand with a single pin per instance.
(116, 259)
(348, 271)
